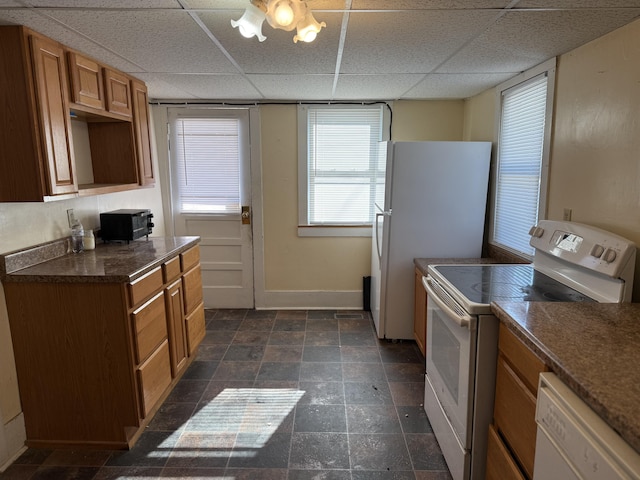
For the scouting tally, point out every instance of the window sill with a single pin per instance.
(334, 231)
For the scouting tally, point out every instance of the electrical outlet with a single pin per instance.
(71, 217)
(566, 216)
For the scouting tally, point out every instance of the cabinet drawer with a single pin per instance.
(514, 415)
(523, 361)
(145, 286)
(500, 465)
(190, 258)
(154, 377)
(195, 328)
(171, 269)
(192, 282)
(150, 327)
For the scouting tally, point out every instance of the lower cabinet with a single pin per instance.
(500, 464)
(95, 360)
(512, 437)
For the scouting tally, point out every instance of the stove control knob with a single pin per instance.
(609, 255)
(536, 231)
(597, 251)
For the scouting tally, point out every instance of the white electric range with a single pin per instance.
(572, 263)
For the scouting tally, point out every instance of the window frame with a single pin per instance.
(306, 229)
(547, 68)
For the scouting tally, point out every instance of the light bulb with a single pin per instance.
(284, 14)
(309, 37)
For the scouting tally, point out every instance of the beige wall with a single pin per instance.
(27, 224)
(293, 263)
(479, 117)
(595, 149)
(427, 120)
(595, 158)
(595, 155)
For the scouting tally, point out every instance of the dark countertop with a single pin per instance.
(109, 262)
(594, 348)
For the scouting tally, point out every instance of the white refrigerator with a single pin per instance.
(431, 204)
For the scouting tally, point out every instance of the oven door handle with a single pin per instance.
(447, 304)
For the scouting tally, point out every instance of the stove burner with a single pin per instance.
(499, 290)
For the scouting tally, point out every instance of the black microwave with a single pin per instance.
(125, 224)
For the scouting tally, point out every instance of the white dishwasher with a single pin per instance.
(573, 442)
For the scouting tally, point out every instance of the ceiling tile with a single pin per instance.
(43, 24)
(520, 40)
(278, 53)
(374, 87)
(427, 4)
(159, 41)
(389, 47)
(161, 88)
(294, 87)
(407, 42)
(571, 4)
(458, 85)
(209, 86)
(105, 3)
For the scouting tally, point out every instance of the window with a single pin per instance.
(205, 152)
(522, 159)
(339, 164)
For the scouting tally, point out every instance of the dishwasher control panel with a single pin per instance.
(572, 437)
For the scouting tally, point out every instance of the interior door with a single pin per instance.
(211, 194)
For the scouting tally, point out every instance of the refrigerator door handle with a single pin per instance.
(378, 245)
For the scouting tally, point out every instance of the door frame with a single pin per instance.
(160, 120)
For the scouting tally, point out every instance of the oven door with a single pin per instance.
(451, 359)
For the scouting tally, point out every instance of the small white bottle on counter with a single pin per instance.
(89, 240)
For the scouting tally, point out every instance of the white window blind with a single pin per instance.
(341, 164)
(520, 160)
(208, 165)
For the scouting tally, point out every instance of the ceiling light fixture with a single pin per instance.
(283, 14)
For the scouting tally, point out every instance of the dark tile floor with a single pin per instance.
(276, 395)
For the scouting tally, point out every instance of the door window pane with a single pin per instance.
(206, 153)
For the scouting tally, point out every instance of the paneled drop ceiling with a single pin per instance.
(370, 49)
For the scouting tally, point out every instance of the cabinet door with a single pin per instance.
(143, 139)
(118, 92)
(420, 313)
(51, 93)
(176, 326)
(196, 330)
(154, 377)
(86, 81)
(192, 281)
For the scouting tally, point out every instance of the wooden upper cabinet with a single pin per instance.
(142, 125)
(86, 81)
(118, 92)
(51, 92)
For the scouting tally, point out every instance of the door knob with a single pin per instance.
(246, 215)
